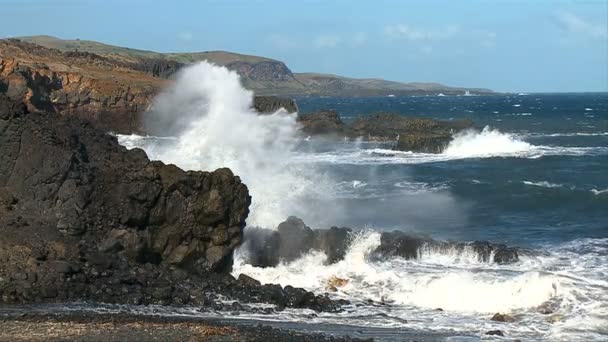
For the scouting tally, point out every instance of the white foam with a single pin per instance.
(544, 184)
(487, 143)
(572, 276)
(599, 192)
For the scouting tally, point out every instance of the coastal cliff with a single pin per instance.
(114, 94)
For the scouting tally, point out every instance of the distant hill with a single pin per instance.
(263, 75)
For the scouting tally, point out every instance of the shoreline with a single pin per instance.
(60, 322)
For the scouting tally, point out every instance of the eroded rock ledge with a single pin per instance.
(83, 218)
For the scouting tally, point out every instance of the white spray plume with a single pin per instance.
(219, 128)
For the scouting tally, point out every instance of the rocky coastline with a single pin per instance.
(83, 218)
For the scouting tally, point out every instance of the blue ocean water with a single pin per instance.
(555, 190)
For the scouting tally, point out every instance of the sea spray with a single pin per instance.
(489, 142)
(212, 115)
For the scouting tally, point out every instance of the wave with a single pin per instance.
(572, 134)
(599, 192)
(570, 279)
(544, 184)
(487, 143)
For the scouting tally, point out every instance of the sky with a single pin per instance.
(504, 45)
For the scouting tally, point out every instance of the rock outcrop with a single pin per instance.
(271, 104)
(83, 218)
(293, 238)
(325, 122)
(410, 134)
(403, 133)
(109, 93)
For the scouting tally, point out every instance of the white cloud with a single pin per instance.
(572, 23)
(185, 36)
(403, 31)
(327, 41)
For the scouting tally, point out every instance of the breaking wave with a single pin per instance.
(568, 279)
(218, 128)
(487, 143)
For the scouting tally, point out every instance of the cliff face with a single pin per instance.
(106, 92)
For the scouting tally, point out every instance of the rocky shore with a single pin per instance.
(83, 218)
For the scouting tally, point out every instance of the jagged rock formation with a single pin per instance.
(82, 218)
(293, 239)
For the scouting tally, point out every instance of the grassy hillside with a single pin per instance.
(263, 75)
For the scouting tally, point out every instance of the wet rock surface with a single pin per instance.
(292, 239)
(82, 218)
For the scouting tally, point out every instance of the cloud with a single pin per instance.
(327, 41)
(185, 36)
(572, 23)
(407, 32)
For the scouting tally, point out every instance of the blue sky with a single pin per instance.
(505, 45)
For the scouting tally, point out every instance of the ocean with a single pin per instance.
(534, 175)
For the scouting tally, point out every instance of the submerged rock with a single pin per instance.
(495, 333)
(498, 317)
